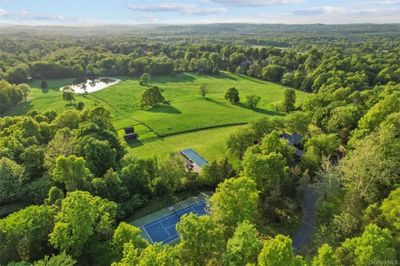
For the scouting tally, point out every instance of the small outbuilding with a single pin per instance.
(130, 133)
(193, 160)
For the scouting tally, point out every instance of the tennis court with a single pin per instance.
(163, 229)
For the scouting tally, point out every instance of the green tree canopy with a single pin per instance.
(24, 234)
(289, 100)
(239, 141)
(156, 254)
(126, 233)
(56, 260)
(82, 221)
(375, 244)
(145, 78)
(273, 72)
(203, 90)
(68, 94)
(243, 247)
(151, 97)
(99, 156)
(232, 94)
(317, 147)
(72, 172)
(11, 180)
(268, 171)
(326, 257)
(235, 201)
(200, 239)
(253, 100)
(279, 252)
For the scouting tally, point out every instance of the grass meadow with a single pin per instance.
(167, 128)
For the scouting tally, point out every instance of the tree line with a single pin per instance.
(314, 68)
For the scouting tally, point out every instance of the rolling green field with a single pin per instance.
(187, 111)
(210, 143)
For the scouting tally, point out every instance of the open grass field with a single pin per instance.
(210, 143)
(187, 111)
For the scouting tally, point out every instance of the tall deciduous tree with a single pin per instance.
(235, 201)
(375, 244)
(99, 156)
(238, 142)
(269, 171)
(253, 100)
(25, 89)
(72, 172)
(200, 239)
(289, 100)
(243, 247)
(326, 257)
(279, 252)
(151, 97)
(11, 180)
(68, 94)
(24, 234)
(232, 94)
(126, 233)
(82, 221)
(317, 147)
(157, 254)
(144, 78)
(203, 90)
(56, 260)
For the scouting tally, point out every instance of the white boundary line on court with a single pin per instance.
(164, 229)
(144, 229)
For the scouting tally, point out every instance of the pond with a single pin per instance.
(86, 85)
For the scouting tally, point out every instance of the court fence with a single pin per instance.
(204, 196)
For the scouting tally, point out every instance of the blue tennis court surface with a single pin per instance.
(194, 156)
(164, 229)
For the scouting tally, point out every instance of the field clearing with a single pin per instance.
(187, 122)
(209, 143)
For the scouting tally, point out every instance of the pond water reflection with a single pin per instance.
(87, 85)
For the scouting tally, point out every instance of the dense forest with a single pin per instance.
(82, 182)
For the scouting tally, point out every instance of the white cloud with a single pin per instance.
(189, 9)
(3, 12)
(25, 15)
(346, 11)
(385, 2)
(255, 2)
(317, 11)
(162, 7)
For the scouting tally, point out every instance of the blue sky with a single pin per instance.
(97, 12)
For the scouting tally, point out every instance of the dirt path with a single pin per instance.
(304, 234)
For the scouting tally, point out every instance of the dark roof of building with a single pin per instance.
(299, 152)
(293, 139)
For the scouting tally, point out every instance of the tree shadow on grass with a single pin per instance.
(133, 143)
(253, 79)
(183, 77)
(165, 109)
(223, 75)
(226, 104)
(261, 111)
(20, 109)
